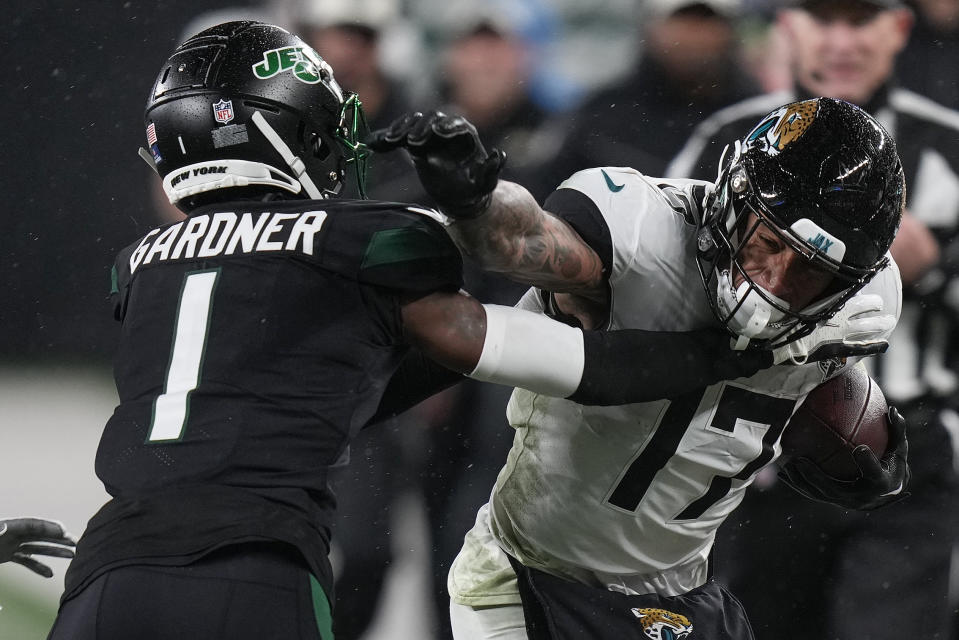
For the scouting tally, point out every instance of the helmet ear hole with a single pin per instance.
(320, 151)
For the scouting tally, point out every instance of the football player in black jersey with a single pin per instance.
(271, 325)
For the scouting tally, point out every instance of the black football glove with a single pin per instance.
(20, 538)
(451, 162)
(883, 481)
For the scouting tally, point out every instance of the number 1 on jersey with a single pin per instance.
(171, 408)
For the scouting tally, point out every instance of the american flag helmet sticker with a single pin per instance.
(152, 142)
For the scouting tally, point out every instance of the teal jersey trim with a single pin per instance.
(615, 188)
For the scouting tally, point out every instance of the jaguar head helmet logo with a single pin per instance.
(784, 126)
(659, 624)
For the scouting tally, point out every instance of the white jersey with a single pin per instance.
(630, 497)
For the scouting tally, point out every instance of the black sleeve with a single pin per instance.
(632, 365)
(581, 213)
(388, 245)
(417, 379)
(120, 284)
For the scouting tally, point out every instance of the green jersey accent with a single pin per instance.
(390, 246)
(321, 609)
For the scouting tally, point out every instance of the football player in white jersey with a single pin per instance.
(601, 522)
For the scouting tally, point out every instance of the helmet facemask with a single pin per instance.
(351, 129)
(819, 177)
(753, 315)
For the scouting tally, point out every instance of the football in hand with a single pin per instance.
(836, 417)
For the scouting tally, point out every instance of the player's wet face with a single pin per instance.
(770, 262)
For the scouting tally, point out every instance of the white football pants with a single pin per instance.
(504, 622)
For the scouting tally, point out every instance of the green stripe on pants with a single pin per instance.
(321, 609)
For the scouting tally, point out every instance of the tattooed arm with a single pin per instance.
(517, 238)
(497, 223)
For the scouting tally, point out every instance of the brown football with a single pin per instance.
(836, 417)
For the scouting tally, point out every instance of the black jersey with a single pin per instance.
(256, 339)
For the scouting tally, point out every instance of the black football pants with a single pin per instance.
(557, 609)
(242, 592)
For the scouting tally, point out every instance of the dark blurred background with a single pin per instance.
(74, 191)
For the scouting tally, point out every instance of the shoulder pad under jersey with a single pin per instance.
(637, 215)
(393, 245)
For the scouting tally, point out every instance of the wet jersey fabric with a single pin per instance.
(629, 498)
(256, 339)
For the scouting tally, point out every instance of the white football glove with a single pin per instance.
(850, 332)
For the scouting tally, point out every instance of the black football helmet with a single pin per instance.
(250, 106)
(825, 176)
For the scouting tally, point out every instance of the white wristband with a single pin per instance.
(529, 350)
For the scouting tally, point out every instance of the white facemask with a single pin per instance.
(755, 317)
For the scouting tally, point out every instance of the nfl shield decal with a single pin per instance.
(223, 111)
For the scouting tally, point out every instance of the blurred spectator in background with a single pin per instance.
(928, 64)
(689, 68)
(485, 77)
(765, 49)
(883, 574)
(545, 28)
(348, 34)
